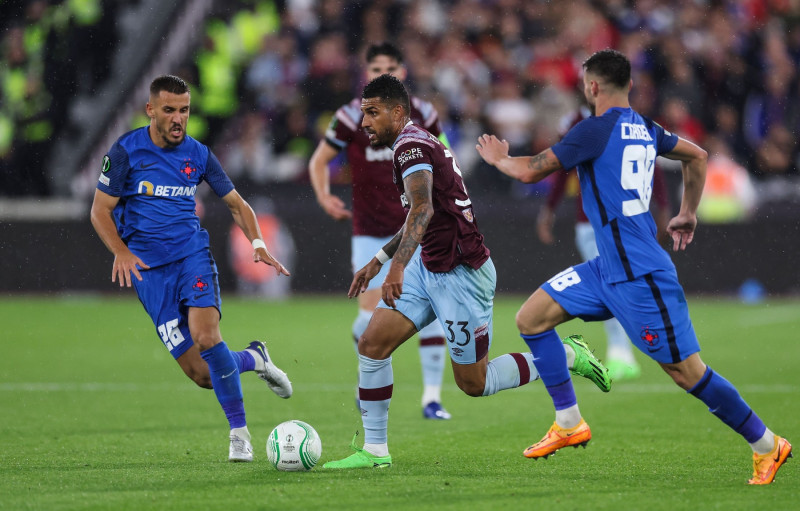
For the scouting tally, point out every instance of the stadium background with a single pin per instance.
(267, 75)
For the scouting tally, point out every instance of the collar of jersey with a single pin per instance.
(404, 127)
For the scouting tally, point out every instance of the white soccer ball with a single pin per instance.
(294, 446)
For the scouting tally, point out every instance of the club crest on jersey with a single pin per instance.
(187, 169)
(409, 154)
(200, 285)
(649, 337)
(468, 214)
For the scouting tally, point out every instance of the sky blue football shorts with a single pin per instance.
(652, 308)
(362, 250)
(169, 290)
(462, 299)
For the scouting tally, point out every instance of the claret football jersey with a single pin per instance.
(452, 237)
(156, 186)
(376, 205)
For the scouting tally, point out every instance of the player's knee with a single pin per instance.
(370, 349)
(528, 324)
(205, 340)
(472, 388)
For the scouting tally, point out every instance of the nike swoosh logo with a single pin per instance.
(777, 457)
(229, 374)
(142, 165)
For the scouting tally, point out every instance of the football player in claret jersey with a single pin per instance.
(144, 212)
(453, 279)
(377, 214)
(633, 279)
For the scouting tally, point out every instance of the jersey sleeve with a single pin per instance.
(411, 157)
(115, 167)
(582, 143)
(216, 178)
(665, 140)
(342, 127)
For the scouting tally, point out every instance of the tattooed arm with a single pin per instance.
(419, 190)
(528, 169)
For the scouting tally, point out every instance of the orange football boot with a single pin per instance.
(765, 466)
(558, 437)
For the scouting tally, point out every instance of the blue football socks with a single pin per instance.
(224, 371)
(724, 401)
(550, 359)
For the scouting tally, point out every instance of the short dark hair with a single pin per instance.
(389, 89)
(610, 65)
(168, 83)
(384, 48)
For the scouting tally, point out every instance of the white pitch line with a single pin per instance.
(627, 388)
(772, 316)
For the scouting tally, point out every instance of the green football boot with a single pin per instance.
(360, 459)
(586, 364)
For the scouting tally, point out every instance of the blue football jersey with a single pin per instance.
(615, 155)
(156, 215)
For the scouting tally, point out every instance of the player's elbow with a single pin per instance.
(701, 156)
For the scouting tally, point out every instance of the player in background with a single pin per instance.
(634, 278)
(453, 280)
(619, 358)
(144, 212)
(377, 214)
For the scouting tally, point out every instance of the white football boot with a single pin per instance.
(240, 449)
(276, 379)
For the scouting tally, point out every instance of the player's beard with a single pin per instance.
(166, 136)
(383, 138)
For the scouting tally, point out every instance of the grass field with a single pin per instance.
(96, 415)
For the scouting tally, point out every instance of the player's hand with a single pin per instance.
(362, 277)
(126, 263)
(392, 286)
(335, 207)
(544, 225)
(262, 255)
(681, 228)
(491, 149)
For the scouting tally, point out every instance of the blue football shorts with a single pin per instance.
(167, 292)
(462, 299)
(652, 308)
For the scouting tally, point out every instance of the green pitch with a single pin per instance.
(96, 415)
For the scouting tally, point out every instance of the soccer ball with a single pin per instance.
(294, 446)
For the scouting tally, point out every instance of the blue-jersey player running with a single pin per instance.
(144, 212)
(633, 278)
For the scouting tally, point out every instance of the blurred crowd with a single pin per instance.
(722, 73)
(50, 51)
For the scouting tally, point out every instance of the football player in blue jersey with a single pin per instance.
(633, 278)
(144, 212)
